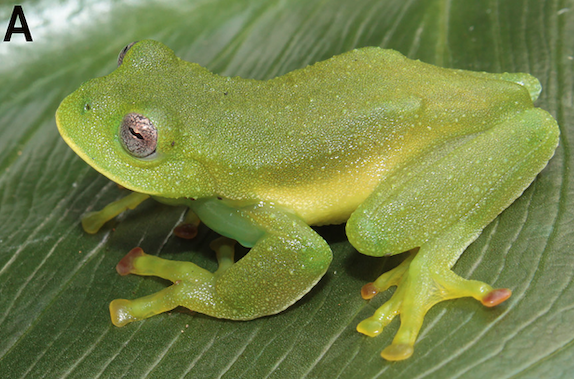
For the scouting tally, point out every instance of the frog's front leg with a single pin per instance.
(93, 221)
(286, 260)
(441, 205)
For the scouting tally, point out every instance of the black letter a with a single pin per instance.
(18, 12)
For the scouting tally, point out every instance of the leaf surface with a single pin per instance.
(56, 281)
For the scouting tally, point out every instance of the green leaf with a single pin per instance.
(56, 281)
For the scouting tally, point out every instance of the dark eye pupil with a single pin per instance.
(137, 135)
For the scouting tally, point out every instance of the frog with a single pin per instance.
(412, 157)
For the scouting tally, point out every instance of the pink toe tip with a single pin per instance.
(186, 231)
(495, 297)
(369, 291)
(126, 265)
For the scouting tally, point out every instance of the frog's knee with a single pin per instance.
(368, 237)
(539, 129)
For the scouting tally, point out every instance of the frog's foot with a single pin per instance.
(93, 221)
(420, 285)
(189, 281)
(188, 228)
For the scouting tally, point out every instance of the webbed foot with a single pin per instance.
(421, 284)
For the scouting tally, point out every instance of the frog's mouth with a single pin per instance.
(63, 133)
(63, 124)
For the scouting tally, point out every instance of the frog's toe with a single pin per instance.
(369, 291)
(495, 297)
(124, 311)
(188, 228)
(370, 327)
(375, 324)
(225, 251)
(126, 265)
(185, 231)
(398, 352)
(391, 278)
(403, 343)
(93, 221)
(120, 312)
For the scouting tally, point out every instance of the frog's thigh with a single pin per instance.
(282, 266)
(448, 204)
(471, 184)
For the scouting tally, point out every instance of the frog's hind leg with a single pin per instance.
(425, 281)
(441, 208)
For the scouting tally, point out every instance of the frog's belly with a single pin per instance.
(324, 202)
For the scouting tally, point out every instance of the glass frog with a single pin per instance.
(411, 156)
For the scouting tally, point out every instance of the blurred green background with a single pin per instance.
(56, 281)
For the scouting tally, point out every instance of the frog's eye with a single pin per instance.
(138, 135)
(124, 51)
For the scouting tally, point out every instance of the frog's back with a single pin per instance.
(322, 137)
(369, 97)
(381, 82)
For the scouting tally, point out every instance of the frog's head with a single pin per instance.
(129, 126)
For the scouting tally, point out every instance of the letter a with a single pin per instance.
(18, 13)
